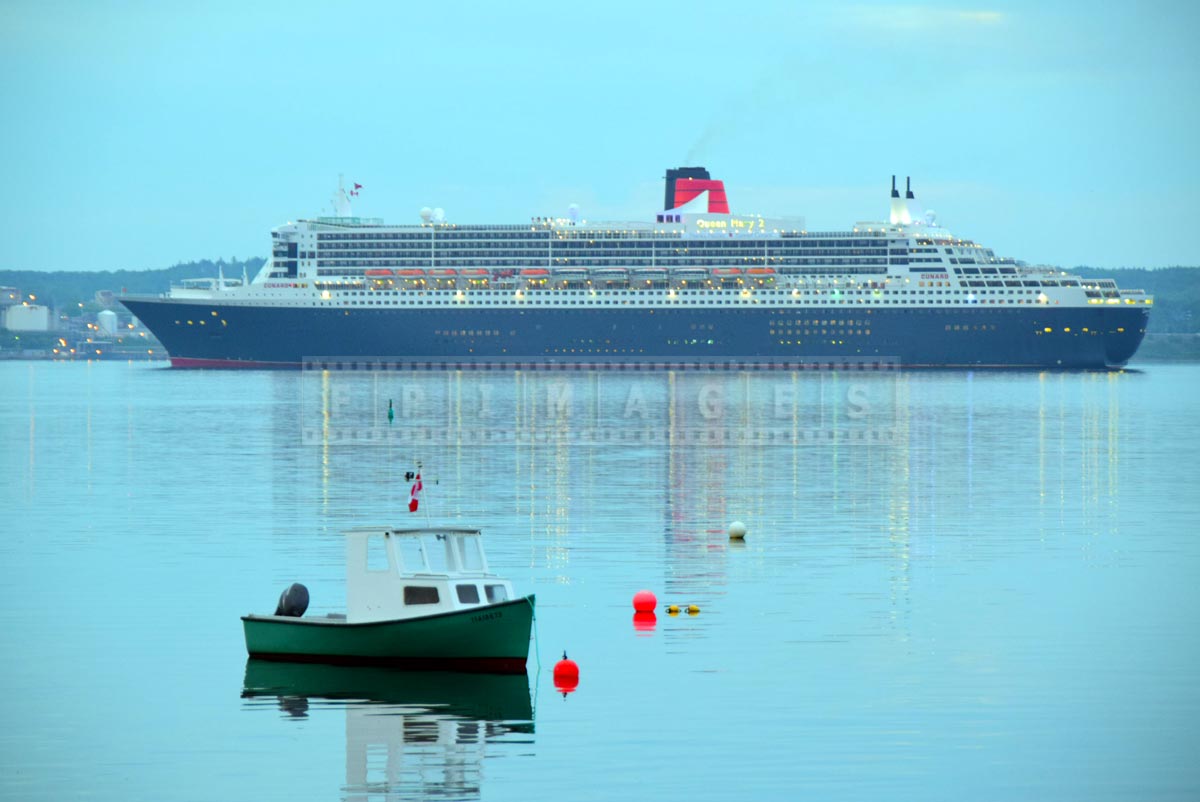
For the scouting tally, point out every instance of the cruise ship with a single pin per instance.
(695, 285)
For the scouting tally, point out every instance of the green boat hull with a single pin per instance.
(494, 638)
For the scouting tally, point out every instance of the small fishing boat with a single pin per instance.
(415, 598)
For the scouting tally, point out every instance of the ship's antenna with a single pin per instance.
(428, 522)
(341, 201)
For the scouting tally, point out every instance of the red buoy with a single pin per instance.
(644, 601)
(566, 675)
(644, 621)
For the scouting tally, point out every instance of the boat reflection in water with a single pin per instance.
(409, 734)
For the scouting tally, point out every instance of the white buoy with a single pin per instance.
(737, 530)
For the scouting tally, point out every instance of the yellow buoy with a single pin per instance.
(693, 609)
(672, 609)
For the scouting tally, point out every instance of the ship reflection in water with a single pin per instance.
(409, 734)
(855, 462)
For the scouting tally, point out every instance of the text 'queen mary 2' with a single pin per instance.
(697, 287)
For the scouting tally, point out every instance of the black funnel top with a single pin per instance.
(908, 188)
(895, 194)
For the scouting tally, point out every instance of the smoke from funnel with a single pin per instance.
(698, 152)
(754, 102)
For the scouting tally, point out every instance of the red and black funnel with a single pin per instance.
(686, 183)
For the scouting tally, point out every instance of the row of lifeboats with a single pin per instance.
(537, 272)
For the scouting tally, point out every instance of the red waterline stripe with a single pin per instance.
(191, 362)
(240, 364)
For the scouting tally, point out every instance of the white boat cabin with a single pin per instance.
(408, 573)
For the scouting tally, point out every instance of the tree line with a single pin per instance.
(66, 289)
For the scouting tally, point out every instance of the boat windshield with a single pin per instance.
(412, 557)
(436, 552)
(439, 552)
(472, 553)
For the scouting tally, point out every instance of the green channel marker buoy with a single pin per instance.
(391, 413)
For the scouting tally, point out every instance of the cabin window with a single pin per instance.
(467, 594)
(435, 553)
(409, 550)
(497, 593)
(472, 556)
(377, 556)
(416, 594)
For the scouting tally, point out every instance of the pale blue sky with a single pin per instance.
(142, 134)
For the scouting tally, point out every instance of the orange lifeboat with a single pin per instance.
(761, 271)
(444, 272)
(379, 272)
(727, 271)
(535, 272)
(411, 273)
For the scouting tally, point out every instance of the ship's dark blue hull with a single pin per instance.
(198, 334)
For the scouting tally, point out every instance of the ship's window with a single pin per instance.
(496, 593)
(467, 594)
(417, 594)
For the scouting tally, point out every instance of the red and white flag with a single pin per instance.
(413, 497)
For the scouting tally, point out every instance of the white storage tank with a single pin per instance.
(106, 321)
(27, 317)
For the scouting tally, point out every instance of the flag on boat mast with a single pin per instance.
(413, 497)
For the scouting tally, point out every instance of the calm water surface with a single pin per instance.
(956, 585)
